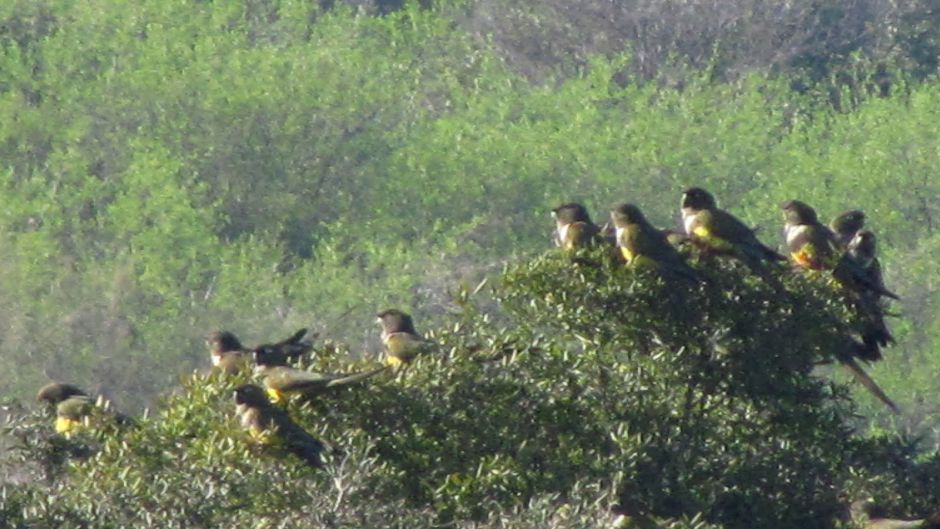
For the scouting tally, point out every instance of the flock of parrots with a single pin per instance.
(258, 409)
(844, 248)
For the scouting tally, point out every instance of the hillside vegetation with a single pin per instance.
(601, 391)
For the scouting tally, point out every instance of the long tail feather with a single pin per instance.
(356, 377)
(862, 377)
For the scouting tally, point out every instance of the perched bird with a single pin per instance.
(861, 250)
(268, 425)
(72, 406)
(815, 247)
(289, 349)
(573, 227)
(846, 225)
(282, 381)
(860, 272)
(55, 392)
(812, 245)
(863, 278)
(722, 232)
(402, 342)
(227, 352)
(642, 245)
(869, 515)
(230, 356)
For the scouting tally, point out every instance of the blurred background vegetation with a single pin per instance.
(169, 168)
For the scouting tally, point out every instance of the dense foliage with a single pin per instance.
(600, 387)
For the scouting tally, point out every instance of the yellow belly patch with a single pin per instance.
(276, 396)
(64, 425)
(804, 259)
(260, 436)
(808, 257)
(627, 254)
(705, 235)
(393, 361)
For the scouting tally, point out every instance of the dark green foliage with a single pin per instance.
(594, 385)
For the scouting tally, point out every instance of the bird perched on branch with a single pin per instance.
(73, 406)
(642, 245)
(227, 352)
(862, 277)
(861, 251)
(268, 425)
(815, 247)
(402, 342)
(230, 356)
(812, 245)
(721, 232)
(282, 381)
(289, 349)
(573, 227)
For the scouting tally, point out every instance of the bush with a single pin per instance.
(591, 385)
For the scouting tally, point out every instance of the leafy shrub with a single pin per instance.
(592, 385)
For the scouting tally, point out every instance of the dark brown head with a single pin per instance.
(846, 224)
(268, 356)
(394, 320)
(799, 213)
(863, 244)
(696, 198)
(223, 342)
(626, 214)
(54, 392)
(571, 212)
(251, 395)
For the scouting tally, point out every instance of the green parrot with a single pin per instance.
(402, 342)
(268, 425)
(812, 245)
(230, 356)
(642, 245)
(227, 353)
(861, 251)
(815, 247)
(290, 349)
(72, 406)
(864, 280)
(573, 227)
(282, 381)
(722, 232)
